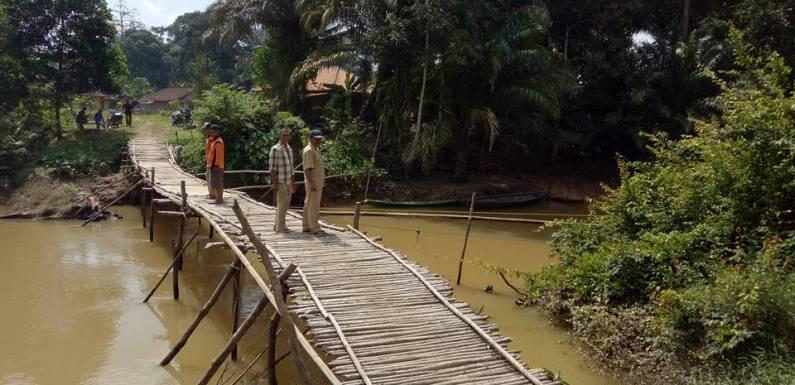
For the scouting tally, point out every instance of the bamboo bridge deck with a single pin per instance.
(375, 316)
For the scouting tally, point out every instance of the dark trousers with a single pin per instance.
(129, 119)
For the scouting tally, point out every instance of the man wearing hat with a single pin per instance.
(314, 175)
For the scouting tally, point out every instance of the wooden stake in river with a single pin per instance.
(466, 238)
(357, 211)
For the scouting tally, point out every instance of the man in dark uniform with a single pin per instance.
(128, 107)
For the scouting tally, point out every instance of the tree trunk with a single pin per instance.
(460, 169)
(57, 106)
(418, 127)
(686, 20)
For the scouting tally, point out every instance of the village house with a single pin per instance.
(162, 100)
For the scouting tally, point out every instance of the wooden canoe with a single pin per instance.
(439, 203)
(505, 200)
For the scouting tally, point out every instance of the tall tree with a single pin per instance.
(68, 45)
(146, 53)
(287, 39)
(11, 76)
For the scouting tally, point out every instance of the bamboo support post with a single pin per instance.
(144, 190)
(235, 308)
(281, 305)
(466, 239)
(152, 220)
(184, 210)
(152, 174)
(274, 327)
(357, 211)
(94, 217)
(219, 359)
(170, 266)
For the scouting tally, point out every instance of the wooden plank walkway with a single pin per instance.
(376, 316)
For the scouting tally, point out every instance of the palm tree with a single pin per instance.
(289, 41)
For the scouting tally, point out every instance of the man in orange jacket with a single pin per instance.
(215, 163)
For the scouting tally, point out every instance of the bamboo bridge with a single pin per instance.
(371, 315)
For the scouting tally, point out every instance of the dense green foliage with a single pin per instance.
(701, 237)
(251, 126)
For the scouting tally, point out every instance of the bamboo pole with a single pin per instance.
(184, 211)
(143, 203)
(466, 239)
(179, 245)
(235, 308)
(170, 266)
(219, 359)
(94, 217)
(152, 219)
(411, 214)
(274, 327)
(278, 295)
(357, 211)
(372, 161)
(202, 313)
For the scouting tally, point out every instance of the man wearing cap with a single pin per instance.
(280, 160)
(314, 175)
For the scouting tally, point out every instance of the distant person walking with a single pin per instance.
(81, 118)
(215, 162)
(99, 120)
(314, 176)
(128, 107)
(280, 160)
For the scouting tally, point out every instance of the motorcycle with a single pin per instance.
(180, 118)
(114, 120)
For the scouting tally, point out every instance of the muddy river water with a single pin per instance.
(71, 311)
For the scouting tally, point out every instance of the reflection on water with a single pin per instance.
(72, 313)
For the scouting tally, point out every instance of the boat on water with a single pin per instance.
(505, 200)
(437, 203)
(481, 202)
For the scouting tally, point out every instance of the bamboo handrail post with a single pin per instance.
(184, 210)
(219, 359)
(357, 211)
(281, 306)
(466, 238)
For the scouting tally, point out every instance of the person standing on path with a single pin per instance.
(314, 176)
(128, 107)
(280, 160)
(215, 162)
(99, 119)
(208, 141)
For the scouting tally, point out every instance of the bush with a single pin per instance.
(702, 234)
(87, 154)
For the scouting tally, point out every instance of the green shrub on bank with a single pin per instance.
(702, 235)
(87, 153)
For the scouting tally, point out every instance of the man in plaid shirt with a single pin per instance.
(282, 178)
